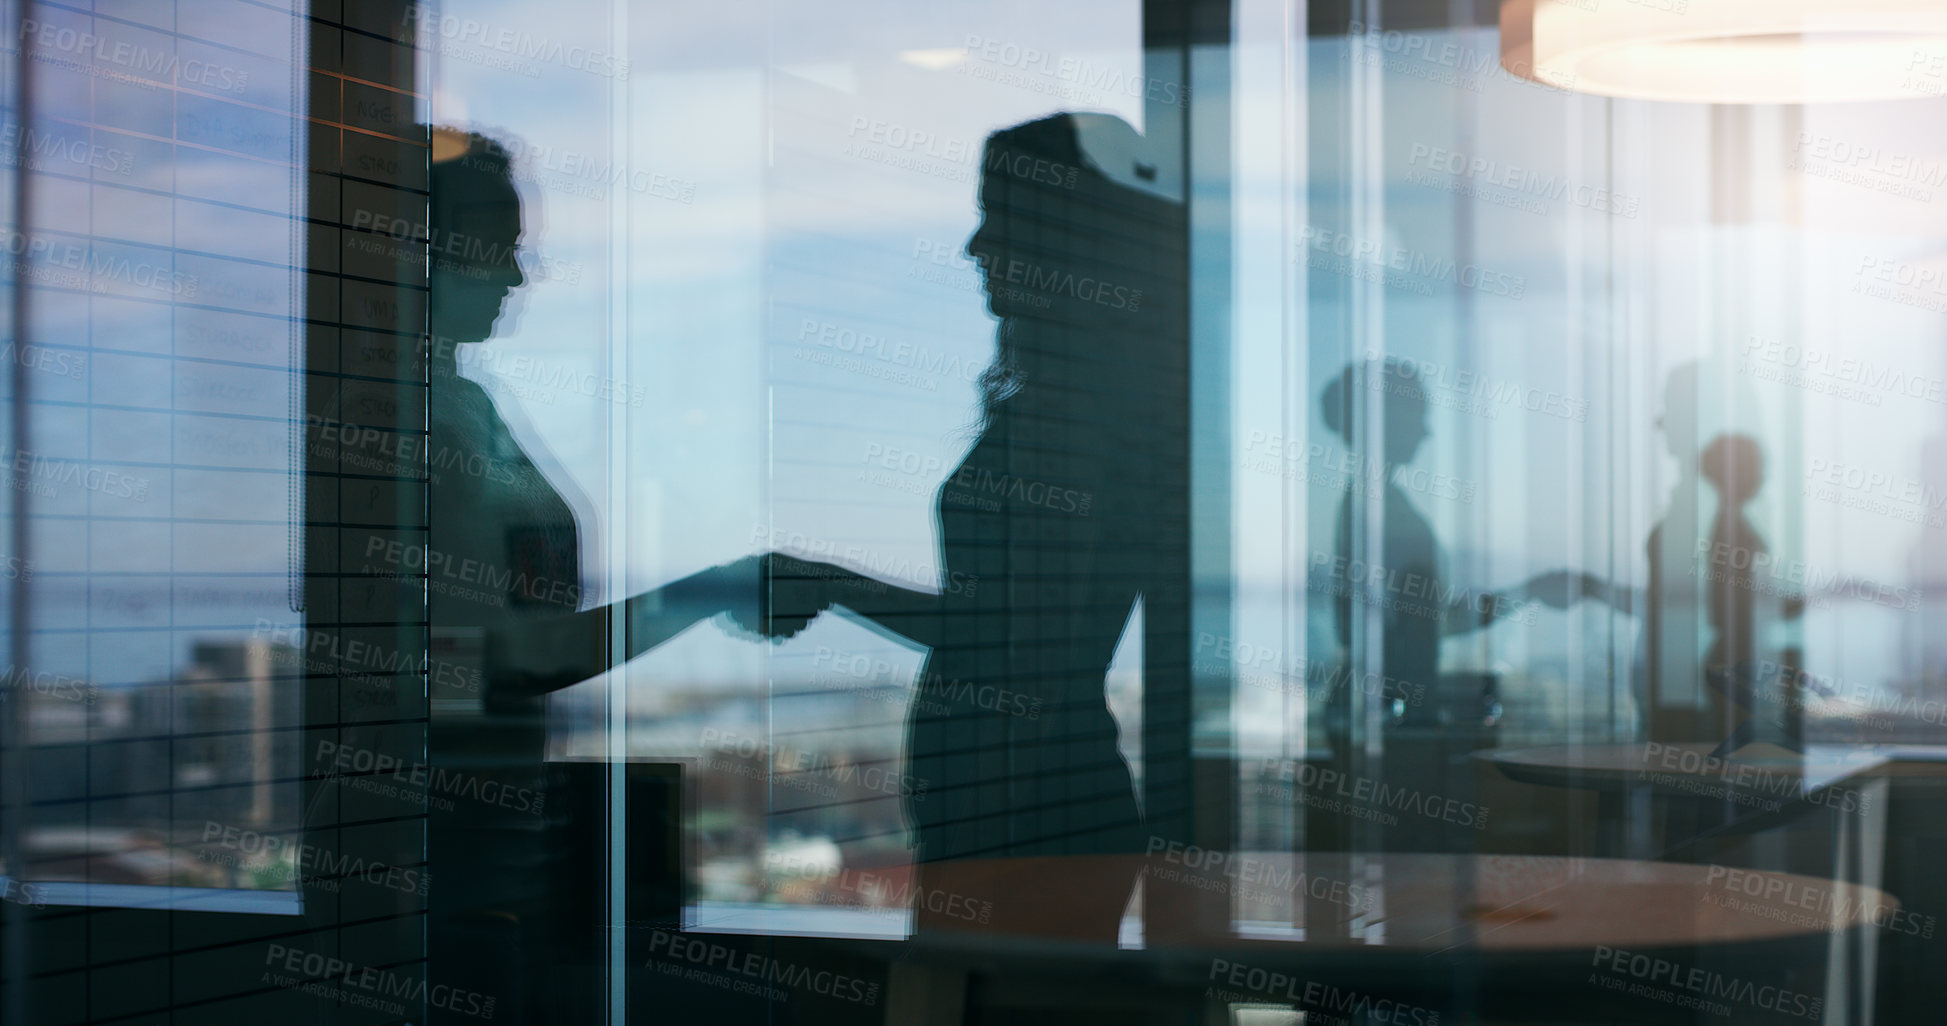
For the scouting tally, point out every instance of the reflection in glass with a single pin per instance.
(1051, 528)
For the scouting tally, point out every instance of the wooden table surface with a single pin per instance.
(1409, 902)
(1684, 767)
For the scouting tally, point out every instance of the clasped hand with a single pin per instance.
(775, 596)
(1560, 589)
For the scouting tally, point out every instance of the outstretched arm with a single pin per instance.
(1558, 588)
(549, 653)
(1473, 612)
(1563, 588)
(775, 596)
(800, 589)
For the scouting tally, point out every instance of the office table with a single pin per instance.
(1763, 785)
(1422, 931)
(1757, 771)
(1889, 803)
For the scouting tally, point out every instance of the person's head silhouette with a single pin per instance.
(1080, 255)
(1734, 465)
(1403, 402)
(474, 222)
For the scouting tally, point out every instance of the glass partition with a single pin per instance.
(155, 471)
(595, 512)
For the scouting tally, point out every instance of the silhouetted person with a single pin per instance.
(1734, 466)
(1667, 677)
(1672, 634)
(1743, 600)
(1402, 573)
(503, 570)
(1050, 530)
(1710, 598)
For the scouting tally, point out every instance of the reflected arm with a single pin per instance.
(1558, 588)
(549, 653)
(774, 596)
(1621, 598)
(1472, 612)
(801, 588)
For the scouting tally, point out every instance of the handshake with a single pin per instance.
(1563, 588)
(775, 596)
(770, 596)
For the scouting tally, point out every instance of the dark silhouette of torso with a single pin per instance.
(1009, 724)
(1412, 625)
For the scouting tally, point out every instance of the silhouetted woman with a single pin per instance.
(502, 565)
(1061, 517)
(1403, 575)
(1407, 577)
(1753, 681)
(1697, 646)
(1734, 466)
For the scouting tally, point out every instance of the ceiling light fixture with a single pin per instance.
(1730, 51)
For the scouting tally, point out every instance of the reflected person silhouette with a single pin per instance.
(1757, 682)
(1055, 521)
(1408, 578)
(503, 582)
(1734, 466)
(1670, 675)
(1402, 574)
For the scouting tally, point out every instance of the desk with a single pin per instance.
(1896, 843)
(1766, 783)
(1758, 770)
(1425, 930)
